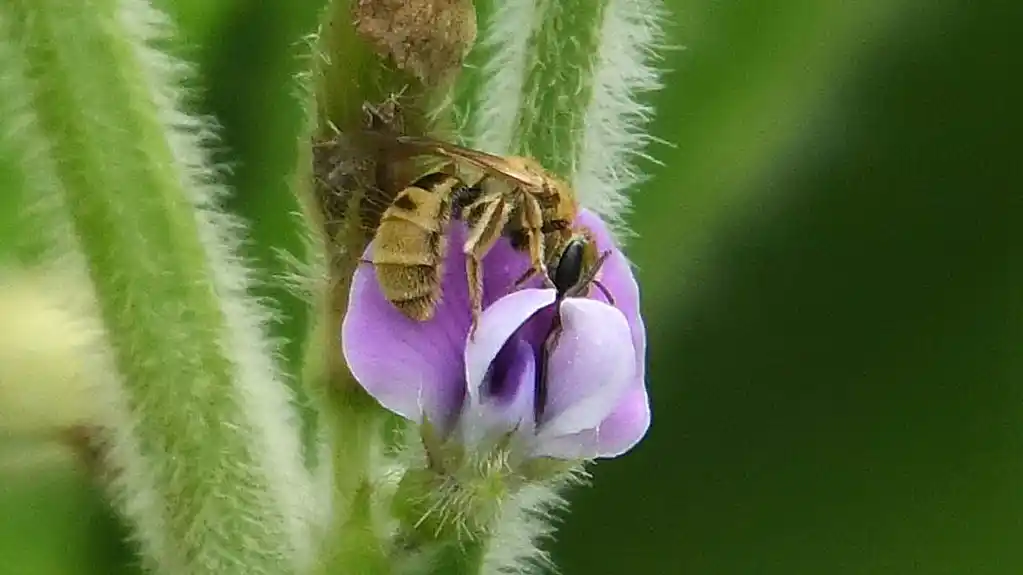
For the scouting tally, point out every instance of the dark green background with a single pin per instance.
(825, 261)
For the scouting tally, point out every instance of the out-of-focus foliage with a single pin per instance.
(825, 258)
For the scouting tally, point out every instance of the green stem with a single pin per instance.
(203, 435)
(347, 75)
(531, 92)
(30, 191)
(253, 129)
(559, 82)
(564, 83)
(356, 545)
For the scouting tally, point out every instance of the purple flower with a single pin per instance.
(593, 401)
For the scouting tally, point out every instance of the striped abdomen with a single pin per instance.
(408, 249)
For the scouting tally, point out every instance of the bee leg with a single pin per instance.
(474, 273)
(607, 293)
(532, 224)
(525, 278)
(486, 218)
(549, 345)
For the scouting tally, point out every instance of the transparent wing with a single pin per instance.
(482, 160)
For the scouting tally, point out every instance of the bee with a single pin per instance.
(513, 197)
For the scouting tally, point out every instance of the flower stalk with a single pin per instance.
(400, 61)
(199, 423)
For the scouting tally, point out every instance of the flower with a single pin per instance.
(584, 399)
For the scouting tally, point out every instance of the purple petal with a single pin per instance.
(412, 368)
(502, 266)
(498, 323)
(626, 425)
(616, 435)
(590, 369)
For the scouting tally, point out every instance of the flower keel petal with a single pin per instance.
(627, 424)
(589, 370)
(506, 402)
(581, 445)
(498, 323)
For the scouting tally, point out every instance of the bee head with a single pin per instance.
(573, 266)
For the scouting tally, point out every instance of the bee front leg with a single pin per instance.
(532, 224)
(486, 218)
(532, 271)
(475, 276)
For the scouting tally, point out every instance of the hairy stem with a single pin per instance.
(543, 75)
(376, 53)
(45, 383)
(350, 73)
(253, 129)
(202, 433)
(560, 81)
(31, 215)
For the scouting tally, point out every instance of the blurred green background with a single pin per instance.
(825, 259)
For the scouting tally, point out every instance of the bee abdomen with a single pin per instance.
(413, 289)
(419, 309)
(418, 207)
(409, 282)
(405, 257)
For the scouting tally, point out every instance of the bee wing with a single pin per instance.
(481, 160)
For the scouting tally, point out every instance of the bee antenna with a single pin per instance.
(582, 285)
(607, 293)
